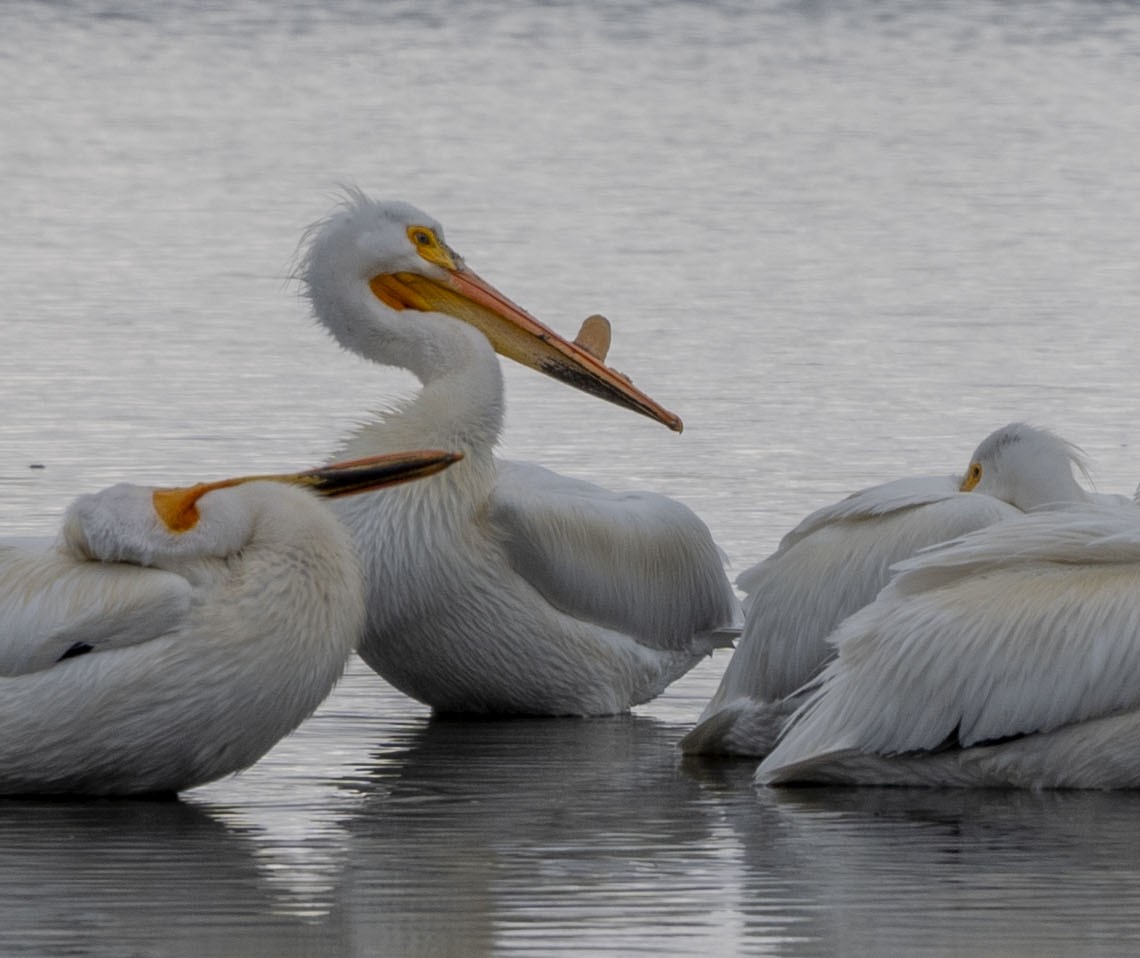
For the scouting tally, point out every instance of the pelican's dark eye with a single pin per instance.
(972, 478)
(430, 247)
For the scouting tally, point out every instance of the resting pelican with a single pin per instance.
(837, 559)
(172, 636)
(500, 586)
(1010, 657)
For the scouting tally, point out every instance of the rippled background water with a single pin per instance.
(843, 240)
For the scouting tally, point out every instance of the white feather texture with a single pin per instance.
(838, 558)
(499, 587)
(1008, 657)
(134, 659)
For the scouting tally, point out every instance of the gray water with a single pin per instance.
(843, 240)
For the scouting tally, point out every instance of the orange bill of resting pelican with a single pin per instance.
(169, 637)
(514, 589)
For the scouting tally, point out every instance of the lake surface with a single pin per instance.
(844, 241)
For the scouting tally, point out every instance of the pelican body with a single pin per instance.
(500, 587)
(839, 557)
(1010, 658)
(169, 637)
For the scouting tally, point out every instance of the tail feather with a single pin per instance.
(743, 727)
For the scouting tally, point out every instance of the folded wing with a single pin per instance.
(635, 562)
(832, 564)
(1020, 628)
(53, 607)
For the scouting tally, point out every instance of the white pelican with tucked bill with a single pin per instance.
(169, 637)
(1008, 658)
(838, 558)
(501, 587)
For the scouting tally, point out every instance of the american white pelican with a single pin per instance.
(839, 557)
(500, 586)
(172, 636)
(1010, 657)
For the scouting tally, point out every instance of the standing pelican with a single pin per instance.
(500, 586)
(837, 559)
(1010, 657)
(172, 636)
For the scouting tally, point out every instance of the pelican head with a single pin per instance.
(380, 276)
(1027, 467)
(129, 523)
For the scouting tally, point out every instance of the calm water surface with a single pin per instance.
(844, 241)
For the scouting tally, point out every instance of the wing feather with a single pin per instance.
(797, 596)
(52, 605)
(875, 501)
(1020, 628)
(636, 562)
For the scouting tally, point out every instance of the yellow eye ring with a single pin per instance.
(973, 477)
(431, 248)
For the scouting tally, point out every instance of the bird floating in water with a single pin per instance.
(1007, 658)
(501, 587)
(169, 637)
(838, 558)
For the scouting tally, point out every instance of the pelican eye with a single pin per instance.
(973, 476)
(431, 247)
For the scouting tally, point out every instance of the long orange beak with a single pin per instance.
(514, 333)
(178, 508)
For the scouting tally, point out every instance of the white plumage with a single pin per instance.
(498, 586)
(838, 558)
(1010, 657)
(169, 637)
